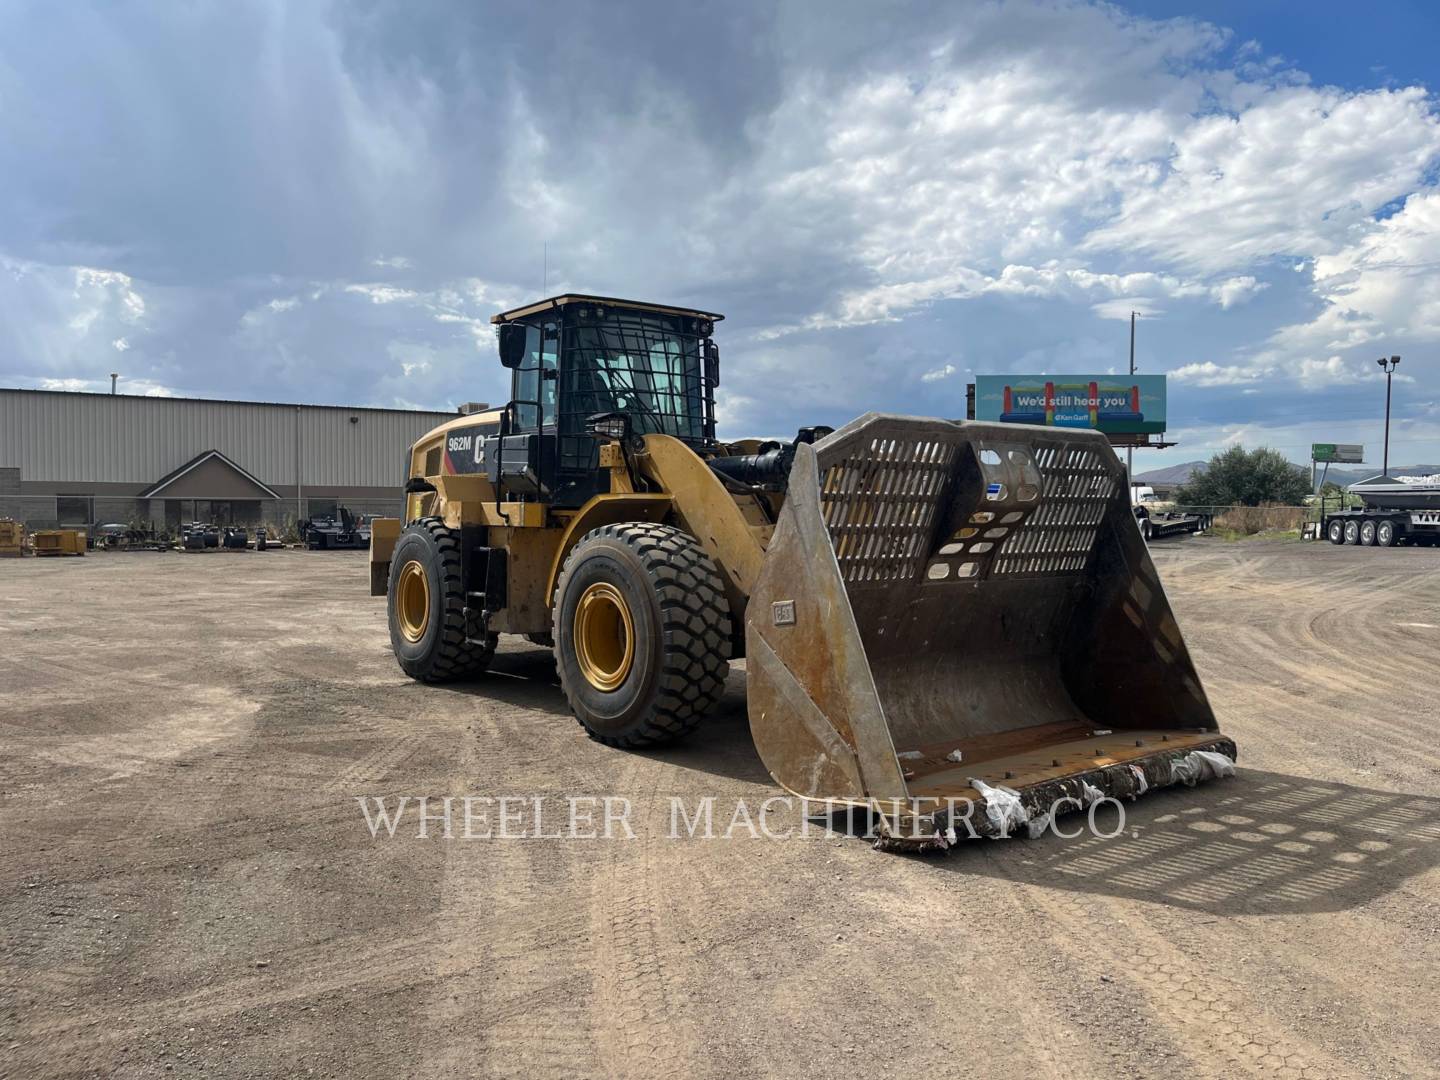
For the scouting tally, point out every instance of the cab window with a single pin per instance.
(535, 382)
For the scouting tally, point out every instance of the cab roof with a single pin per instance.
(608, 301)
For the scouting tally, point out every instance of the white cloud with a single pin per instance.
(120, 344)
(394, 262)
(938, 374)
(135, 387)
(1381, 286)
(1207, 373)
(1234, 291)
(65, 384)
(732, 411)
(1284, 169)
(889, 303)
(1332, 371)
(383, 294)
(91, 281)
(1310, 374)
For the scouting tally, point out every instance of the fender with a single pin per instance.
(608, 509)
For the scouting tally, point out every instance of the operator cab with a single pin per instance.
(575, 358)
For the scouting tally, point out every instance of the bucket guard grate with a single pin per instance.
(942, 594)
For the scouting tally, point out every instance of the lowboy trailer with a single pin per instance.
(1372, 526)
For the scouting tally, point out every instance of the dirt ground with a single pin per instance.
(189, 888)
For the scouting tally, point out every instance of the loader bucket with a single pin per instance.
(947, 602)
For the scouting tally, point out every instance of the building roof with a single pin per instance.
(609, 301)
(194, 463)
(225, 401)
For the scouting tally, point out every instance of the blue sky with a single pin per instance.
(325, 202)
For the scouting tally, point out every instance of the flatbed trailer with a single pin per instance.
(1370, 526)
(1156, 524)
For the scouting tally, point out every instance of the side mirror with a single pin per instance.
(712, 363)
(512, 344)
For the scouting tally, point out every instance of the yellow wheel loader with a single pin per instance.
(940, 618)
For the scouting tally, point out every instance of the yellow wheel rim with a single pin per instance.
(412, 600)
(604, 636)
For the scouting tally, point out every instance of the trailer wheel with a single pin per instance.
(1385, 534)
(1145, 530)
(426, 602)
(1367, 533)
(1352, 532)
(642, 633)
(1336, 532)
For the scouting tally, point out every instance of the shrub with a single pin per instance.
(1240, 477)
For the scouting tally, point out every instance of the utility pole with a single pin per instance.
(1130, 450)
(1389, 368)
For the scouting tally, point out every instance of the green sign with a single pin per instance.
(1337, 453)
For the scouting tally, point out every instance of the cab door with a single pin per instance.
(527, 452)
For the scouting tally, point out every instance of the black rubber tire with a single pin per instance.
(681, 629)
(1352, 532)
(1386, 534)
(1367, 534)
(1335, 532)
(442, 654)
(1145, 530)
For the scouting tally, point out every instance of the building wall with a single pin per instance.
(111, 448)
(68, 439)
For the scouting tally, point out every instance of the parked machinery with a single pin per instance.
(58, 541)
(199, 535)
(324, 533)
(1403, 510)
(12, 538)
(931, 610)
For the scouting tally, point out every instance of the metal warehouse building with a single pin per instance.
(83, 459)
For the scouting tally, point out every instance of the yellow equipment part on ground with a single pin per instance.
(12, 539)
(58, 541)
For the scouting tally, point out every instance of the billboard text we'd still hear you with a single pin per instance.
(1114, 404)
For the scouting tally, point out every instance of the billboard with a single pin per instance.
(1339, 453)
(1114, 404)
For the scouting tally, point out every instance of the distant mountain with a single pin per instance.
(1172, 474)
(1180, 474)
(1345, 477)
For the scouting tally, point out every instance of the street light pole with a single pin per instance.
(1389, 368)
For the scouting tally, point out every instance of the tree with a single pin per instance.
(1240, 477)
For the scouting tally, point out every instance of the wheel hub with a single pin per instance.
(412, 600)
(604, 636)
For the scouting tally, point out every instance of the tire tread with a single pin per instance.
(694, 629)
(454, 658)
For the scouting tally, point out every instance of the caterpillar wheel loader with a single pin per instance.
(934, 613)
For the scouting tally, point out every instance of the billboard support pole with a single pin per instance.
(1130, 450)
